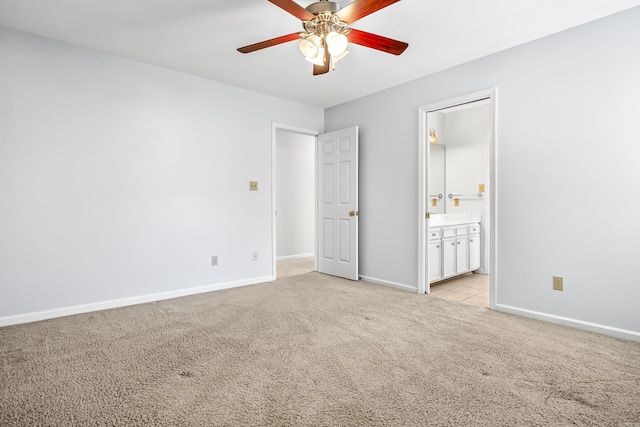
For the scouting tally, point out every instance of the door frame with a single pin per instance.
(275, 127)
(423, 161)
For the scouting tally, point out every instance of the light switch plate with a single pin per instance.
(253, 185)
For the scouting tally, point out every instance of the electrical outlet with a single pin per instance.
(253, 185)
(255, 256)
(214, 260)
(558, 283)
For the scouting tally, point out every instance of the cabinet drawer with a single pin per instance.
(448, 232)
(462, 230)
(435, 233)
(474, 228)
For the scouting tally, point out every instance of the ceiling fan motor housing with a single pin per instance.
(323, 6)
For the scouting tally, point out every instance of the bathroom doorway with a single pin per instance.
(457, 146)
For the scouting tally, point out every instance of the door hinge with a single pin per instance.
(427, 215)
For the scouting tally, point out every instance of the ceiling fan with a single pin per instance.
(326, 33)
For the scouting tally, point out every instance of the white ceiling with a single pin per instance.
(200, 37)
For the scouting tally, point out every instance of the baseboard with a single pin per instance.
(390, 284)
(288, 257)
(566, 321)
(105, 305)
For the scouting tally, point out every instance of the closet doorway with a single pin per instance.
(294, 194)
(332, 168)
(457, 199)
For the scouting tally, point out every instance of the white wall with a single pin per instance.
(120, 180)
(295, 194)
(567, 153)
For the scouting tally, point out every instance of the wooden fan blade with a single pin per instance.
(269, 43)
(295, 9)
(375, 41)
(361, 8)
(322, 69)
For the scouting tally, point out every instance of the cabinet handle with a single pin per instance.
(438, 247)
(458, 242)
(470, 240)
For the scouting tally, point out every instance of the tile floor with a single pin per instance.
(470, 288)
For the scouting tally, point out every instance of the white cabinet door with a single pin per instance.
(337, 229)
(448, 257)
(435, 260)
(474, 252)
(462, 254)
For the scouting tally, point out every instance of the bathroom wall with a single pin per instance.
(466, 164)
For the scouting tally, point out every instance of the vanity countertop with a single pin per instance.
(450, 223)
(449, 220)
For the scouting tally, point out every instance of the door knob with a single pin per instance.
(353, 213)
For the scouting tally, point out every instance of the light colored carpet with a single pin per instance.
(311, 349)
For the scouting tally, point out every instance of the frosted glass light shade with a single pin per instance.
(310, 46)
(336, 43)
(319, 59)
(339, 57)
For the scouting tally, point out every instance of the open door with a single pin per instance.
(337, 203)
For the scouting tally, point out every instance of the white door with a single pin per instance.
(337, 227)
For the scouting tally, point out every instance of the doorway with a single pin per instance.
(460, 132)
(335, 190)
(293, 194)
(295, 198)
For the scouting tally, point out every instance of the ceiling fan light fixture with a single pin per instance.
(337, 58)
(337, 43)
(310, 46)
(318, 59)
(326, 27)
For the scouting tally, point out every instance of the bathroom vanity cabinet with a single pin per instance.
(453, 250)
(435, 254)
